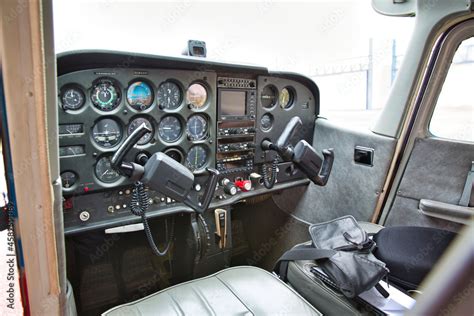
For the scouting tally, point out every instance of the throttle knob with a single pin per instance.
(229, 187)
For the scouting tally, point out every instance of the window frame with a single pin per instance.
(429, 132)
(442, 65)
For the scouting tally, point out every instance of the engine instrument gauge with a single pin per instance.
(266, 122)
(286, 98)
(107, 132)
(70, 129)
(196, 158)
(71, 151)
(269, 96)
(196, 127)
(170, 129)
(140, 95)
(104, 171)
(72, 98)
(68, 179)
(169, 96)
(176, 154)
(135, 123)
(196, 95)
(105, 95)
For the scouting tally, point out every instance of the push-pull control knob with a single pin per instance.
(244, 185)
(229, 187)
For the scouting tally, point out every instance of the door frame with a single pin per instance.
(29, 77)
(433, 80)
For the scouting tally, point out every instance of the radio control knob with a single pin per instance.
(229, 187)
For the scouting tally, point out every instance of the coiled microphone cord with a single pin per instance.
(269, 181)
(139, 207)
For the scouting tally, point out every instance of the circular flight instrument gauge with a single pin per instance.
(105, 95)
(287, 97)
(176, 154)
(135, 123)
(107, 132)
(169, 129)
(196, 95)
(104, 171)
(72, 98)
(169, 96)
(269, 96)
(140, 95)
(266, 122)
(68, 179)
(196, 127)
(197, 158)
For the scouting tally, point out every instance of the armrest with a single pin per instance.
(446, 211)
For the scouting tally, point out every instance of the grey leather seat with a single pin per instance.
(235, 291)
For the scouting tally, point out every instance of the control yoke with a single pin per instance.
(303, 155)
(164, 174)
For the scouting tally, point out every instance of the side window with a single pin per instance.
(453, 117)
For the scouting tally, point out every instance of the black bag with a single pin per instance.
(343, 251)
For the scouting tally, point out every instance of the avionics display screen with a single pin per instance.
(232, 103)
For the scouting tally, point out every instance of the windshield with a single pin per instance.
(333, 42)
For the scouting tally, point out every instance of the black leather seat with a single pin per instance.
(235, 291)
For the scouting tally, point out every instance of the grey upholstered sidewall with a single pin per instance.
(352, 188)
(437, 170)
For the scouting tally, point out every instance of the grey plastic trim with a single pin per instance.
(132, 219)
(395, 7)
(449, 212)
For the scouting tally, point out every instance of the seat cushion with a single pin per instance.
(411, 252)
(235, 291)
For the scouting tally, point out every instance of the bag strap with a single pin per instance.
(302, 252)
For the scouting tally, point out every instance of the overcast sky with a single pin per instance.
(296, 36)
